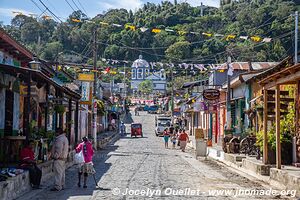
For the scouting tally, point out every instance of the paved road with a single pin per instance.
(144, 167)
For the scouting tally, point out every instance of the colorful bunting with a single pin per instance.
(207, 34)
(75, 20)
(244, 37)
(230, 37)
(267, 40)
(181, 32)
(143, 29)
(104, 23)
(117, 25)
(131, 27)
(256, 38)
(156, 30)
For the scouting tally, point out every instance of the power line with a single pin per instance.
(82, 7)
(76, 5)
(49, 10)
(70, 5)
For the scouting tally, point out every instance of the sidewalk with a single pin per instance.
(286, 178)
(18, 187)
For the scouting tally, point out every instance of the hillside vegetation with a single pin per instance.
(72, 41)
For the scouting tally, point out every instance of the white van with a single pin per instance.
(161, 123)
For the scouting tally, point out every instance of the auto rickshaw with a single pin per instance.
(136, 129)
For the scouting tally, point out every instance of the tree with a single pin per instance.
(179, 51)
(146, 87)
(52, 50)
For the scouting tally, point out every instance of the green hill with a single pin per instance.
(264, 18)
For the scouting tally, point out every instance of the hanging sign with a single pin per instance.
(211, 94)
(85, 92)
(85, 77)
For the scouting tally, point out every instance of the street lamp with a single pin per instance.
(36, 65)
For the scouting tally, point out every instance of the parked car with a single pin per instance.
(153, 109)
(161, 123)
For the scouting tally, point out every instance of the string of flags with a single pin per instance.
(230, 37)
(153, 66)
(131, 27)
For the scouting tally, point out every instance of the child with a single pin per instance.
(166, 137)
(173, 140)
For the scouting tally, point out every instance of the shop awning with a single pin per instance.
(195, 83)
(14, 71)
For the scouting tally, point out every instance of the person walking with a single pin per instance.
(184, 138)
(166, 138)
(59, 154)
(28, 163)
(122, 129)
(87, 167)
(171, 129)
(178, 134)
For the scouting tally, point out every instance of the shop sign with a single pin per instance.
(24, 90)
(85, 91)
(211, 94)
(199, 134)
(85, 77)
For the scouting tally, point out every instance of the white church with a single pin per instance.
(140, 71)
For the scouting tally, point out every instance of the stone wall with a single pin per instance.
(14, 186)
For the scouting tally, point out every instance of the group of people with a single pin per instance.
(59, 154)
(176, 135)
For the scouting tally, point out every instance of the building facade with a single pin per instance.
(141, 71)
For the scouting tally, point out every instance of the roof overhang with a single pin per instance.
(14, 48)
(288, 75)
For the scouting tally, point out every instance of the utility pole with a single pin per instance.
(172, 97)
(296, 37)
(125, 88)
(94, 102)
(228, 99)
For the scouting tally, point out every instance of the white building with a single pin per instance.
(140, 71)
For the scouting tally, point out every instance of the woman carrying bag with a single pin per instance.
(86, 167)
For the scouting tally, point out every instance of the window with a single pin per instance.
(133, 73)
(140, 73)
(147, 72)
(162, 74)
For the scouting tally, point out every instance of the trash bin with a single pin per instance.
(201, 147)
(201, 143)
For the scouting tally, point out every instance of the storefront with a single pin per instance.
(32, 103)
(281, 111)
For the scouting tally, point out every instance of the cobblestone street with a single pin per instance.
(144, 164)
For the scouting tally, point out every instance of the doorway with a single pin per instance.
(9, 109)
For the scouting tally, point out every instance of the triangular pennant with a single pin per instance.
(207, 34)
(76, 20)
(156, 30)
(267, 40)
(230, 37)
(131, 27)
(181, 32)
(104, 23)
(117, 25)
(218, 35)
(256, 38)
(143, 29)
(244, 37)
(169, 30)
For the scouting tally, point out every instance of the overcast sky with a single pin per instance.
(62, 9)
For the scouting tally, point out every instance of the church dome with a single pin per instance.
(140, 63)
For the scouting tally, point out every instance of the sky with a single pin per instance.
(63, 10)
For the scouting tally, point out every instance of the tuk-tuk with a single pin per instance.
(136, 129)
